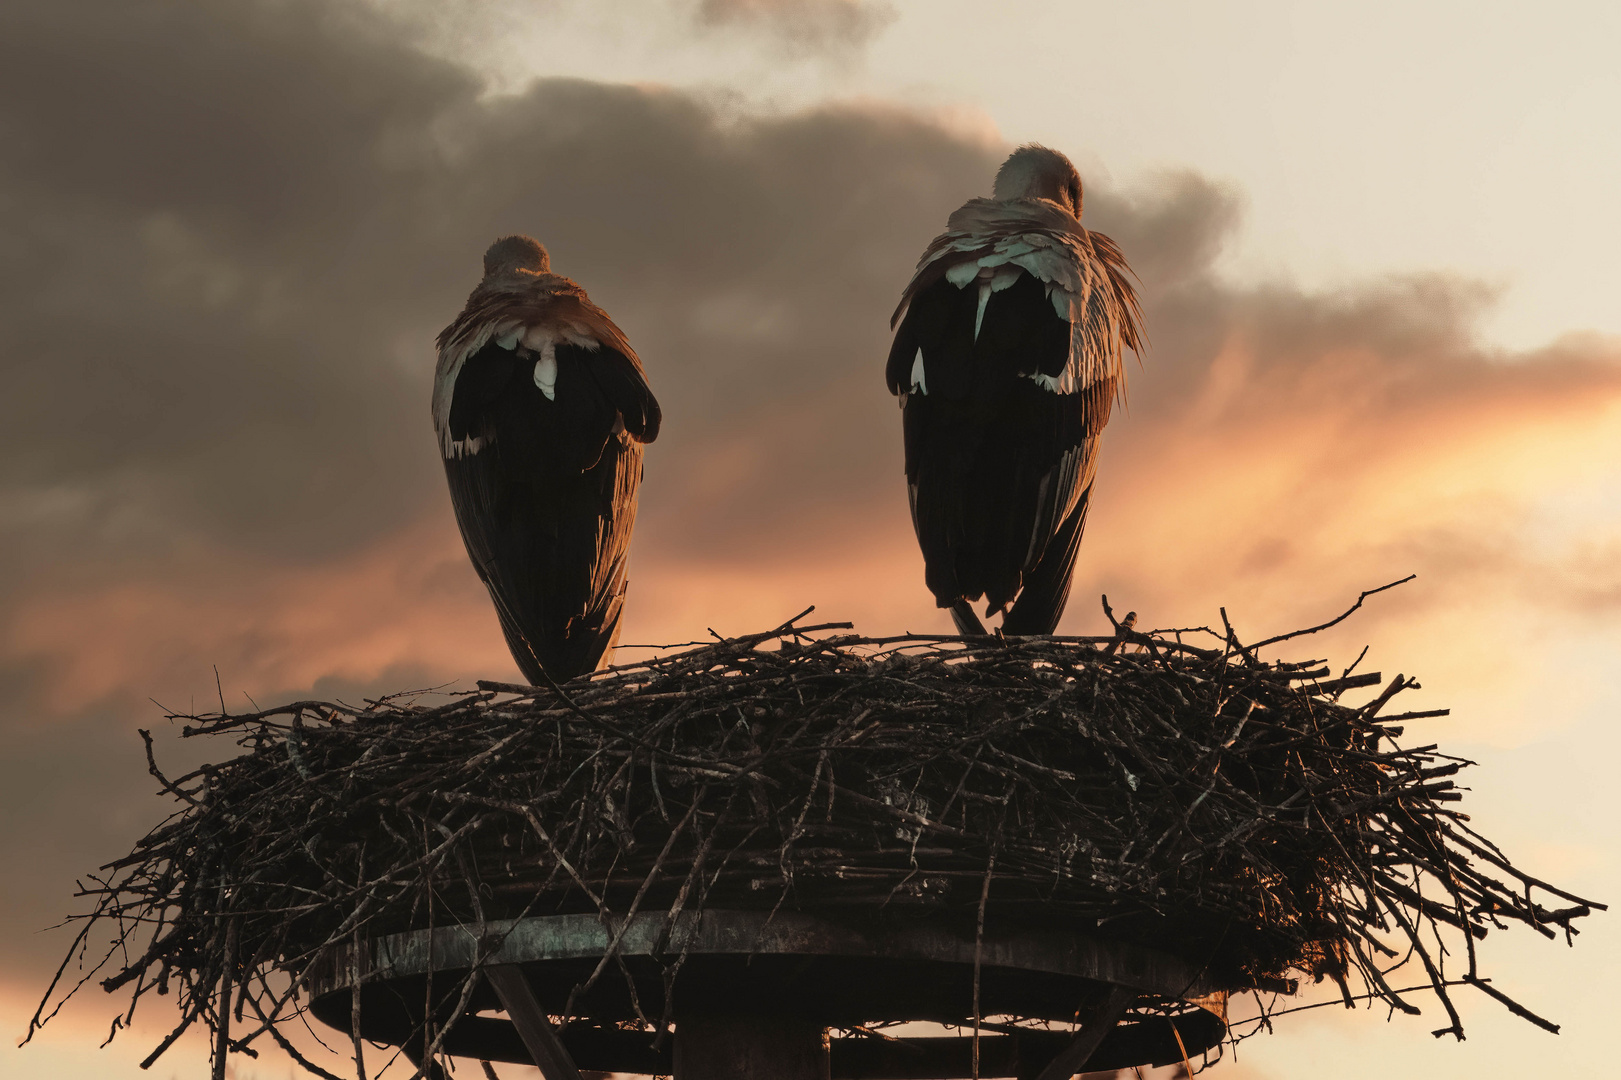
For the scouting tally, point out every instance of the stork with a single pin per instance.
(1006, 364)
(542, 409)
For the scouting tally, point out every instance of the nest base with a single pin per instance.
(750, 968)
(947, 813)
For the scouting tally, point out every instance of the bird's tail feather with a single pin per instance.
(1046, 588)
(968, 623)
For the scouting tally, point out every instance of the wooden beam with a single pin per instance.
(534, 1027)
(1072, 1059)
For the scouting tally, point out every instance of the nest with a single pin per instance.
(1139, 787)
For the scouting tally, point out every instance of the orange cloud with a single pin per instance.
(1278, 494)
(410, 602)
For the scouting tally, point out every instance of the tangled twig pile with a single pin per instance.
(1136, 787)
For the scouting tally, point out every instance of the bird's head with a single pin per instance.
(516, 253)
(1036, 172)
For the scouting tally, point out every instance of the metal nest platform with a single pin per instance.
(752, 985)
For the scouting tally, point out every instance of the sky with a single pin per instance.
(1375, 255)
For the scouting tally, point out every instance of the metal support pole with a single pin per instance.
(1072, 1059)
(414, 1055)
(749, 1047)
(534, 1027)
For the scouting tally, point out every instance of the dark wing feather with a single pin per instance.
(547, 503)
(621, 381)
(483, 380)
(1021, 333)
(1046, 587)
(940, 321)
(897, 370)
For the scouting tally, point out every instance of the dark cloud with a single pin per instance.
(233, 231)
(239, 226)
(803, 25)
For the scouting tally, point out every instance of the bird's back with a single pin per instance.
(542, 409)
(1007, 362)
(995, 462)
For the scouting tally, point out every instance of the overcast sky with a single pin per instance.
(1375, 255)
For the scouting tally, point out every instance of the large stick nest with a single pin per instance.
(1138, 787)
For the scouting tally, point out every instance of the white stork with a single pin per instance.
(1006, 365)
(542, 408)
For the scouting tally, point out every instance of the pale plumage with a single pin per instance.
(541, 409)
(1007, 362)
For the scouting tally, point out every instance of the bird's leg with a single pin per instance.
(968, 623)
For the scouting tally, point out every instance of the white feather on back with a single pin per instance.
(990, 241)
(920, 385)
(546, 371)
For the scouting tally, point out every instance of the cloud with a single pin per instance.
(782, 50)
(238, 227)
(242, 226)
(802, 25)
